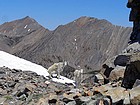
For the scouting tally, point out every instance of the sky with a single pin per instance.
(52, 13)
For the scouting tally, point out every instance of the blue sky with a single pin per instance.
(52, 13)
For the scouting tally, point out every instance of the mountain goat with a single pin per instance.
(56, 68)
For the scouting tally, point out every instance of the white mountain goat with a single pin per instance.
(56, 68)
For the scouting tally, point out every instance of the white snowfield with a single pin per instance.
(14, 62)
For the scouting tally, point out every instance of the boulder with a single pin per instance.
(68, 97)
(103, 88)
(30, 87)
(100, 78)
(117, 73)
(135, 95)
(121, 60)
(118, 94)
(133, 48)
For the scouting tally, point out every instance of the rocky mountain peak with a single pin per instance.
(85, 21)
(20, 27)
(28, 20)
(22, 32)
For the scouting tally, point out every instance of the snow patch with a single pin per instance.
(64, 80)
(14, 62)
(25, 26)
(29, 30)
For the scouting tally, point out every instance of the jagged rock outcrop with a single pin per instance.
(129, 61)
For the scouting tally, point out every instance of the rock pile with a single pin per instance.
(27, 88)
(18, 87)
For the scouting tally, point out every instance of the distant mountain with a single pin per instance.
(20, 34)
(21, 27)
(86, 42)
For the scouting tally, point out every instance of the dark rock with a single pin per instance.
(68, 72)
(121, 60)
(78, 101)
(52, 99)
(11, 84)
(132, 72)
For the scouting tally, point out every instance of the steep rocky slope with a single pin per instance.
(5, 43)
(85, 42)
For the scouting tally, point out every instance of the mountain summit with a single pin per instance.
(19, 27)
(20, 33)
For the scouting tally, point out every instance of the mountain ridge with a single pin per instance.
(85, 42)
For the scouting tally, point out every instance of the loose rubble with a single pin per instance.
(19, 87)
(28, 88)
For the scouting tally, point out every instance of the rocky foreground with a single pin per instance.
(27, 88)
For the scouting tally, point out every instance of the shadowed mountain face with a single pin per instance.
(85, 42)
